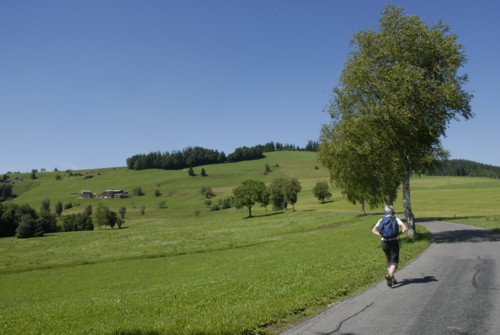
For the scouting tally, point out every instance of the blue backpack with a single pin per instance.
(388, 227)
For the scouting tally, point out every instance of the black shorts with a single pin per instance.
(391, 251)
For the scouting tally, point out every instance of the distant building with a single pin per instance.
(17, 180)
(111, 194)
(86, 194)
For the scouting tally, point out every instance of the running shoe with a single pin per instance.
(389, 280)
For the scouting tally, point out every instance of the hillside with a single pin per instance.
(181, 192)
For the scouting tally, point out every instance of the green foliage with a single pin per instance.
(225, 203)
(462, 168)
(191, 172)
(207, 192)
(122, 211)
(245, 153)
(277, 194)
(249, 193)
(45, 206)
(6, 192)
(21, 221)
(267, 168)
(321, 191)
(77, 222)
(398, 92)
(48, 222)
(203, 172)
(137, 191)
(189, 157)
(106, 217)
(28, 227)
(101, 216)
(58, 208)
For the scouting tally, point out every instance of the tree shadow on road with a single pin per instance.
(466, 235)
(423, 280)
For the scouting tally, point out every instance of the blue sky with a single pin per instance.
(87, 84)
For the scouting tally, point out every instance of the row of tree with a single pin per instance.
(23, 221)
(196, 156)
(279, 193)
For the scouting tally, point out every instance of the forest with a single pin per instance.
(463, 168)
(196, 156)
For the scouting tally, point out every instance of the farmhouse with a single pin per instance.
(87, 194)
(111, 194)
(17, 180)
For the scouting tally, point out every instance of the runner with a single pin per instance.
(388, 228)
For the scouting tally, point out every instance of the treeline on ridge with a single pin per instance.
(463, 168)
(196, 156)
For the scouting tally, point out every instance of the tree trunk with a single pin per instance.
(363, 212)
(406, 198)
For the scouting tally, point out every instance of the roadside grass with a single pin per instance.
(172, 271)
(284, 270)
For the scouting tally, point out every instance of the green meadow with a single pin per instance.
(185, 269)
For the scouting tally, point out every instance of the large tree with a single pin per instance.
(399, 90)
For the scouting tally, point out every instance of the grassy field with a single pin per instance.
(186, 270)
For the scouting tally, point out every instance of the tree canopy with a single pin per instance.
(249, 193)
(398, 92)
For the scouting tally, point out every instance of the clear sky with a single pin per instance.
(89, 83)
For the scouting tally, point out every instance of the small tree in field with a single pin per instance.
(101, 216)
(321, 191)
(137, 191)
(122, 212)
(249, 193)
(58, 208)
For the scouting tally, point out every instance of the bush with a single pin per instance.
(138, 191)
(28, 227)
(225, 203)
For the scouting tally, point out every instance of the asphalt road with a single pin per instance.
(452, 288)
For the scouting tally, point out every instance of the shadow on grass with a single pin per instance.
(135, 332)
(264, 215)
